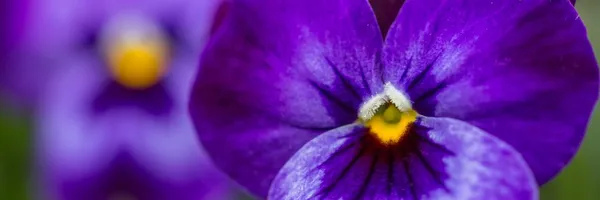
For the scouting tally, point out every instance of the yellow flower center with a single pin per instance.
(389, 115)
(390, 124)
(138, 65)
(136, 50)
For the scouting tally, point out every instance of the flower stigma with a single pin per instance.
(136, 51)
(388, 115)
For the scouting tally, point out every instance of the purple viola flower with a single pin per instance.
(461, 99)
(112, 118)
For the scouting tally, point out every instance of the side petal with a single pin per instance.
(50, 31)
(276, 74)
(523, 71)
(70, 143)
(450, 160)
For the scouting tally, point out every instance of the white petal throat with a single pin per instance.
(389, 95)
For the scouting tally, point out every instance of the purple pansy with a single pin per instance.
(461, 99)
(112, 118)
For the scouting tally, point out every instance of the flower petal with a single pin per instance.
(276, 74)
(19, 84)
(220, 15)
(70, 139)
(449, 160)
(523, 71)
(191, 21)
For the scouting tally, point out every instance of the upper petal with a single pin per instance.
(441, 159)
(523, 71)
(278, 73)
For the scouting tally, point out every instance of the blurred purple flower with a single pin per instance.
(110, 82)
(460, 99)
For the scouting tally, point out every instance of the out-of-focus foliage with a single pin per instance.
(578, 181)
(15, 156)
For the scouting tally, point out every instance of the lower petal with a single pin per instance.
(440, 159)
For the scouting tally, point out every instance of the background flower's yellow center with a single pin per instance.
(390, 124)
(136, 50)
(138, 65)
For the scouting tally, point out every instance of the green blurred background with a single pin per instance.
(580, 180)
